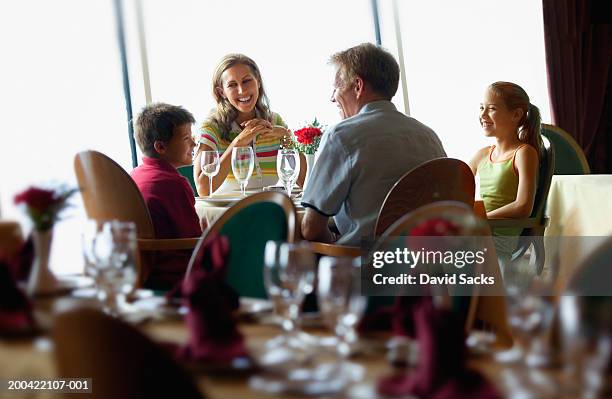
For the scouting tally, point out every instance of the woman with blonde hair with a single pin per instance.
(242, 118)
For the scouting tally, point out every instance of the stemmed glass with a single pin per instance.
(289, 273)
(243, 161)
(209, 162)
(586, 344)
(114, 254)
(340, 300)
(530, 300)
(288, 167)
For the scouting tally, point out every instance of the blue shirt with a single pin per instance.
(362, 158)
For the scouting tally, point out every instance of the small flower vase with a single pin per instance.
(42, 280)
(310, 160)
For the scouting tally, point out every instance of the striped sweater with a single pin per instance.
(264, 173)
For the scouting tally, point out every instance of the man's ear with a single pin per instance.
(358, 86)
(160, 147)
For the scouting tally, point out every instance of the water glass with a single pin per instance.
(530, 304)
(91, 229)
(340, 300)
(114, 252)
(586, 344)
(243, 161)
(209, 162)
(288, 167)
(289, 273)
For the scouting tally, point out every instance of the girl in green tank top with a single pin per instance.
(508, 169)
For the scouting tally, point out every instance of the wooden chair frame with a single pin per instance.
(489, 308)
(94, 171)
(267, 196)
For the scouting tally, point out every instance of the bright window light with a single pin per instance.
(454, 49)
(290, 41)
(61, 94)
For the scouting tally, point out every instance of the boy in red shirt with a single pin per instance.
(163, 133)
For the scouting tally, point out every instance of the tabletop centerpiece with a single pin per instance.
(43, 207)
(306, 140)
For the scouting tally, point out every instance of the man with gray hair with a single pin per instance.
(367, 152)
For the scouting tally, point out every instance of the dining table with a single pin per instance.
(210, 208)
(579, 212)
(31, 357)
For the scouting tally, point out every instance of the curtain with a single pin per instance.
(578, 57)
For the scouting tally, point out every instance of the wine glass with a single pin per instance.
(114, 252)
(530, 303)
(243, 161)
(340, 300)
(586, 344)
(289, 273)
(288, 167)
(91, 230)
(209, 162)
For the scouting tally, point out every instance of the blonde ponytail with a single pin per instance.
(530, 130)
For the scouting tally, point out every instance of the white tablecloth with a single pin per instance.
(211, 213)
(580, 212)
(580, 205)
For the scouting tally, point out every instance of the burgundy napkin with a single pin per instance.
(15, 309)
(396, 319)
(213, 334)
(441, 371)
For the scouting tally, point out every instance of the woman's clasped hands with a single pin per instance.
(255, 127)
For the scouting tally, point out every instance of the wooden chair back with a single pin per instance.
(120, 360)
(11, 238)
(441, 179)
(487, 305)
(109, 192)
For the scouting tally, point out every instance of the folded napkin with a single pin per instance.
(441, 372)
(15, 309)
(213, 334)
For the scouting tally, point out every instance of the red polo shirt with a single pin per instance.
(171, 204)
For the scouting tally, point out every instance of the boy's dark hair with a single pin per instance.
(157, 122)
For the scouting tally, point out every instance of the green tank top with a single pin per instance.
(498, 186)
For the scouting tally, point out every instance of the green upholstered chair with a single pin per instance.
(533, 226)
(486, 306)
(187, 171)
(248, 225)
(569, 157)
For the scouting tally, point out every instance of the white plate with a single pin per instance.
(220, 199)
(250, 306)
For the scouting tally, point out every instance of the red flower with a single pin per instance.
(306, 135)
(37, 198)
(44, 206)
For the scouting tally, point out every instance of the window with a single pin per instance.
(453, 50)
(61, 93)
(290, 41)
